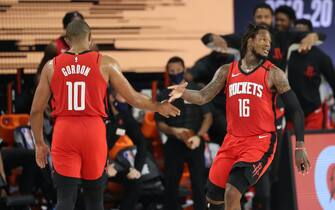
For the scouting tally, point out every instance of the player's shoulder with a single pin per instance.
(268, 65)
(273, 69)
(48, 69)
(106, 59)
(110, 63)
(226, 67)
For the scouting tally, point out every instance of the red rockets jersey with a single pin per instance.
(61, 45)
(77, 85)
(250, 102)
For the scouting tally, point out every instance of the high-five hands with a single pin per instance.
(177, 91)
(166, 109)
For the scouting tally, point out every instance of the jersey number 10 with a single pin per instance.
(244, 107)
(72, 91)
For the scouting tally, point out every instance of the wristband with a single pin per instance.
(300, 148)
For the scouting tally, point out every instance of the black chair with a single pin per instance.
(14, 202)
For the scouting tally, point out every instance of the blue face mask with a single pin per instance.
(176, 78)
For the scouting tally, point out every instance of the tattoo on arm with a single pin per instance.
(210, 90)
(279, 80)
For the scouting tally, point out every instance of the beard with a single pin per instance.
(258, 55)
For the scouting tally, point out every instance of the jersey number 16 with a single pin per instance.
(72, 97)
(244, 107)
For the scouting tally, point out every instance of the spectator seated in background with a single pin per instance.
(32, 178)
(130, 177)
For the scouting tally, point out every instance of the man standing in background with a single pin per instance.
(185, 141)
(304, 74)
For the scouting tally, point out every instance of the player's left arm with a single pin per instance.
(279, 81)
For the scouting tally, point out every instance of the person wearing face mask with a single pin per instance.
(129, 178)
(202, 72)
(184, 143)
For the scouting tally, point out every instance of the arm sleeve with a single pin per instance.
(233, 40)
(296, 36)
(297, 115)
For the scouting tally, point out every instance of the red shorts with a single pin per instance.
(313, 121)
(79, 147)
(253, 153)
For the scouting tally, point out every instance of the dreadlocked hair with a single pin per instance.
(252, 31)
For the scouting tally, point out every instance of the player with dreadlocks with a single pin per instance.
(250, 86)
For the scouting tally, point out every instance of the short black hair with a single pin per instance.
(175, 59)
(252, 31)
(69, 16)
(304, 22)
(262, 6)
(77, 29)
(287, 11)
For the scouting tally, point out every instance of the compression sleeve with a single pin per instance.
(292, 105)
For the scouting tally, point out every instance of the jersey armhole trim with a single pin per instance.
(53, 72)
(231, 68)
(99, 58)
(267, 67)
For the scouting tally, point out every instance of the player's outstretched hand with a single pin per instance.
(301, 161)
(177, 91)
(166, 109)
(41, 154)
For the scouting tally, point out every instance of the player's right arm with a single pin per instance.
(134, 98)
(40, 102)
(206, 94)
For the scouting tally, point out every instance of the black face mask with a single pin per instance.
(176, 78)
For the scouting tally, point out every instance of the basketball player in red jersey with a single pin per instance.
(77, 80)
(247, 151)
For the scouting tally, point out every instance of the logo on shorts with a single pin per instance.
(263, 136)
(257, 169)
